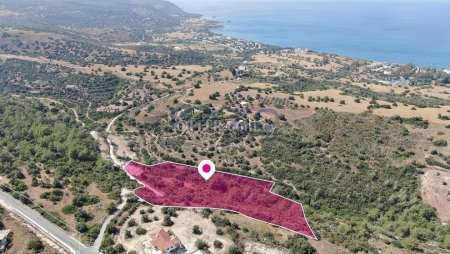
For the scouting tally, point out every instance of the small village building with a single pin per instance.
(3, 239)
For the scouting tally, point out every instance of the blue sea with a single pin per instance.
(396, 31)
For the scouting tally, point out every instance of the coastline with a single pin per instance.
(385, 46)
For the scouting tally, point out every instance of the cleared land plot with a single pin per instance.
(435, 192)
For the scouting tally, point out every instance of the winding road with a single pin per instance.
(113, 157)
(57, 234)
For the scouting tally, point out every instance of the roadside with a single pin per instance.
(45, 226)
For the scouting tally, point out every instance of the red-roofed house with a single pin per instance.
(161, 242)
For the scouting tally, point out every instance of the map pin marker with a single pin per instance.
(206, 169)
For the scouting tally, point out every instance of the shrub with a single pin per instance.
(111, 208)
(83, 216)
(297, 244)
(206, 213)
(132, 223)
(197, 230)
(167, 221)
(440, 143)
(219, 222)
(69, 209)
(35, 245)
(140, 231)
(201, 245)
(128, 234)
(172, 212)
(81, 227)
(145, 219)
(218, 244)
(119, 248)
(234, 250)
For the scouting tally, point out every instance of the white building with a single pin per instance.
(3, 238)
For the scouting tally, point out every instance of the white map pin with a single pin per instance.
(206, 169)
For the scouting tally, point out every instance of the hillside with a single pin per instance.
(106, 20)
(86, 87)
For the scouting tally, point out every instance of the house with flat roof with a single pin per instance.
(3, 239)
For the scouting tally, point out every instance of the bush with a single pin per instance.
(197, 230)
(206, 213)
(128, 234)
(111, 208)
(81, 227)
(440, 143)
(140, 231)
(132, 223)
(35, 245)
(219, 222)
(297, 244)
(69, 209)
(167, 221)
(54, 196)
(218, 244)
(201, 245)
(234, 250)
(83, 216)
(93, 232)
(170, 211)
(145, 219)
(119, 248)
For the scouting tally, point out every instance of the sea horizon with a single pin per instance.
(398, 32)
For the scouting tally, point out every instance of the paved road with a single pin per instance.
(56, 233)
(50, 229)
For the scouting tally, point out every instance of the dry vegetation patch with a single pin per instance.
(23, 233)
(435, 191)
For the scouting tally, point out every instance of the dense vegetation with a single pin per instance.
(306, 84)
(343, 167)
(116, 20)
(37, 141)
(25, 77)
(406, 97)
(86, 53)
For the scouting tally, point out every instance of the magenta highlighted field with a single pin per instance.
(172, 184)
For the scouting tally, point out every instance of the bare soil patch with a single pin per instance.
(325, 247)
(23, 233)
(435, 191)
(121, 148)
